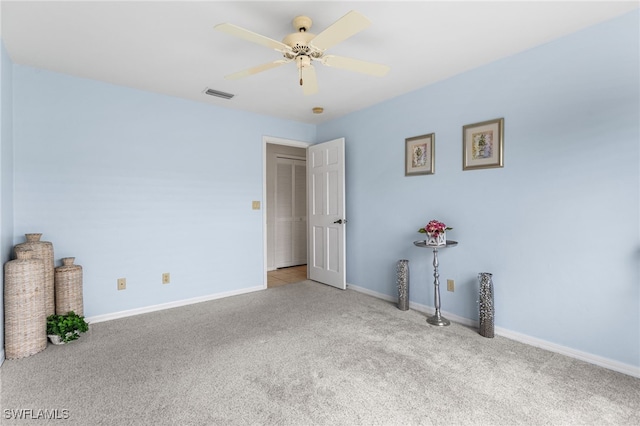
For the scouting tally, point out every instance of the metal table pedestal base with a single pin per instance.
(438, 320)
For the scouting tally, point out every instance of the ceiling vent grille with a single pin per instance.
(219, 94)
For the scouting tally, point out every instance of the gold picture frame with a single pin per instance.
(420, 155)
(483, 145)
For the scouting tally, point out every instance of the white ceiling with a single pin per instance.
(172, 48)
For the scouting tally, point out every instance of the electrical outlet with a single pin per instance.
(122, 283)
(450, 285)
(166, 278)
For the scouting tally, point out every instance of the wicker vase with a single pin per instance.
(486, 304)
(68, 283)
(42, 250)
(25, 322)
(402, 281)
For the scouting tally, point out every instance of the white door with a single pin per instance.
(325, 214)
(290, 212)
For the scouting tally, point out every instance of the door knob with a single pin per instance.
(340, 221)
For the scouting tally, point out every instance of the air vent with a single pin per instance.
(219, 94)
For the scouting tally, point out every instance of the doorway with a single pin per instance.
(285, 210)
(325, 208)
(290, 210)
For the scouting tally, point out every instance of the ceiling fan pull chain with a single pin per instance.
(299, 63)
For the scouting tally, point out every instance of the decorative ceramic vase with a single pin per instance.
(486, 304)
(42, 250)
(68, 283)
(25, 322)
(437, 238)
(402, 280)
(55, 339)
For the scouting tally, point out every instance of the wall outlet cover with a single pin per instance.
(450, 285)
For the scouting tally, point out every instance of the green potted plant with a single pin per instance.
(65, 328)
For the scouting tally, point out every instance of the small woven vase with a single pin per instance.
(68, 283)
(25, 322)
(42, 250)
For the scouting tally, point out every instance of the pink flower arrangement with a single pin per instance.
(434, 227)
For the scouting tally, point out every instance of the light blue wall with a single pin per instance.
(6, 170)
(558, 226)
(134, 184)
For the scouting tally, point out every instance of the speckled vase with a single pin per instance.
(402, 281)
(486, 304)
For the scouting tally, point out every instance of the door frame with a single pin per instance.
(275, 141)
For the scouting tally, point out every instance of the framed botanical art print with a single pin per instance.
(419, 155)
(483, 145)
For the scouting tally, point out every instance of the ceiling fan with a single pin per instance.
(303, 48)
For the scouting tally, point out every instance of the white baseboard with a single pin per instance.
(372, 293)
(178, 303)
(1, 357)
(610, 364)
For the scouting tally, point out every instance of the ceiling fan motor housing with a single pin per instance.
(299, 43)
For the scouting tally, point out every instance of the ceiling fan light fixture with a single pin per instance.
(317, 110)
(218, 93)
(303, 47)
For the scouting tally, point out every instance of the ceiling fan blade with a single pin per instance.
(252, 37)
(350, 24)
(257, 69)
(355, 65)
(309, 80)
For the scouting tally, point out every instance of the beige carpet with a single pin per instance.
(307, 354)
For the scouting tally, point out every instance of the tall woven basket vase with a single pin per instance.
(25, 322)
(487, 311)
(42, 250)
(68, 280)
(402, 281)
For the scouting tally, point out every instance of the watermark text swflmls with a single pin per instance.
(35, 414)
